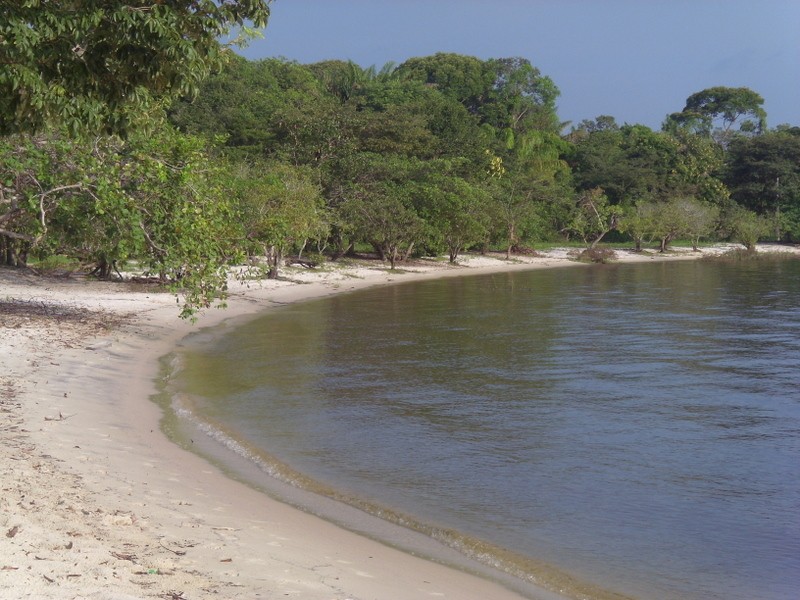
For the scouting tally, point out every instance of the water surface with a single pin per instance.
(637, 426)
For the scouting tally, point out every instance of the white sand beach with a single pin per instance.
(97, 503)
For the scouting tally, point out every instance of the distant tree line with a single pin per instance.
(187, 174)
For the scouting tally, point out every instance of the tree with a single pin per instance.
(233, 104)
(514, 211)
(456, 210)
(667, 223)
(700, 220)
(464, 78)
(38, 174)
(680, 216)
(698, 168)
(280, 207)
(156, 197)
(599, 123)
(96, 65)
(381, 215)
(763, 174)
(346, 79)
(745, 226)
(631, 163)
(521, 98)
(636, 221)
(182, 211)
(312, 130)
(594, 217)
(526, 183)
(715, 111)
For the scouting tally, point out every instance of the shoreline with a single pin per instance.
(98, 503)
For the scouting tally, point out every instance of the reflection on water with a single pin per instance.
(636, 425)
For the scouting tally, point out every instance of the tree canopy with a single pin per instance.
(97, 64)
(119, 160)
(717, 110)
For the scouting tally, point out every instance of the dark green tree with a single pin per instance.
(629, 164)
(466, 79)
(382, 215)
(716, 111)
(97, 64)
(763, 174)
(455, 210)
(521, 98)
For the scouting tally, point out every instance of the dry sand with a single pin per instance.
(95, 502)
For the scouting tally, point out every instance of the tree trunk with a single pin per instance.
(512, 239)
(382, 252)
(102, 269)
(454, 250)
(22, 256)
(407, 253)
(273, 256)
(597, 239)
(8, 251)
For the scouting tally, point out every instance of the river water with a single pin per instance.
(635, 426)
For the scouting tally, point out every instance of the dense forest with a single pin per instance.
(260, 160)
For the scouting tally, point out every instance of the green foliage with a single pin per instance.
(697, 219)
(683, 217)
(507, 94)
(96, 65)
(185, 215)
(155, 197)
(281, 208)
(465, 79)
(455, 210)
(629, 163)
(714, 112)
(745, 227)
(246, 102)
(637, 221)
(763, 174)
(667, 222)
(521, 98)
(381, 214)
(594, 217)
(437, 155)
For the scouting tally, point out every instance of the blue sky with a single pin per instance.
(636, 60)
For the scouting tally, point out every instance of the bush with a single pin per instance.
(597, 255)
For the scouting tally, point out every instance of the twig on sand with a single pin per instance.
(120, 556)
(60, 417)
(175, 552)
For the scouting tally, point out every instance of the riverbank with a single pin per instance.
(97, 503)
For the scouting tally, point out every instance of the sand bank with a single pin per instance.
(96, 502)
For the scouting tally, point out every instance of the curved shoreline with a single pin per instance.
(103, 505)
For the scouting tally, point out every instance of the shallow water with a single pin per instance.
(637, 426)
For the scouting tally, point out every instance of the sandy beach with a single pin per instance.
(97, 503)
